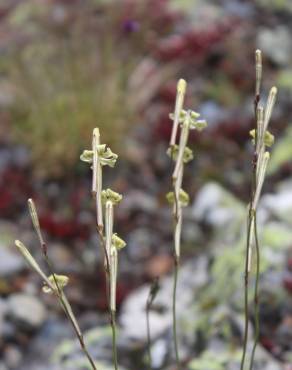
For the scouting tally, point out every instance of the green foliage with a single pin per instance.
(227, 266)
(285, 79)
(185, 5)
(229, 262)
(214, 361)
(276, 236)
(276, 4)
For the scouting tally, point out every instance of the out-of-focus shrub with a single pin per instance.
(69, 78)
(71, 64)
(80, 64)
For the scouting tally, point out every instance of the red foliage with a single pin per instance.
(64, 228)
(287, 282)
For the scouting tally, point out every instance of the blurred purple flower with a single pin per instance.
(130, 26)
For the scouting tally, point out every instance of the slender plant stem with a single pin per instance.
(114, 337)
(250, 223)
(106, 262)
(96, 194)
(256, 104)
(78, 334)
(64, 304)
(111, 280)
(177, 178)
(246, 309)
(176, 272)
(150, 299)
(105, 235)
(100, 234)
(112, 314)
(256, 295)
(148, 307)
(251, 215)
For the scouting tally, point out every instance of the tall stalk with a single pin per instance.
(96, 194)
(246, 285)
(114, 338)
(112, 252)
(177, 183)
(149, 342)
(181, 154)
(261, 139)
(256, 296)
(174, 325)
(105, 200)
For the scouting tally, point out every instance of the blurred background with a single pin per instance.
(67, 66)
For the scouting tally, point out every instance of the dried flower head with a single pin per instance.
(57, 281)
(198, 124)
(118, 242)
(184, 198)
(110, 195)
(268, 138)
(183, 114)
(105, 155)
(193, 116)
(87, 156)
(181, 117)
(187, 156)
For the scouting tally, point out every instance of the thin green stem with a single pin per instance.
(114, 338)
(256, 295)
(106, 262)
(148, 307)
(251, 216)
(176, 272)
(150, 299)
(246, 309)
(62, 300)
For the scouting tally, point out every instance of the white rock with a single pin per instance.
(279, 204)
(219, 209)
(276, 43)
(158, 352)
(13, 356)
(138, 200)
(192, 276)
(10, 262)
(26, 310)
